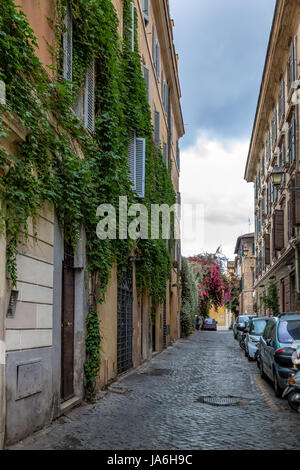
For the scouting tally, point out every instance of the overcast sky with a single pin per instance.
(222, 47)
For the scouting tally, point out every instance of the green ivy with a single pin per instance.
(47, 168)
(93, 360)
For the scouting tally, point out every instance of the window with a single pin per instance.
(89, 98)
(274, 126)
(289, 331)
(164, 93)
(136, 162)
(291, 141)
(281, 162)
(171, 125)
(146, 10)
(281, 99)
(165, 152)
(179, 204)
(68, 45)
(178, 155)
(146, 74)
(156, 52)
(85, 105)
(292, 68)
(269, 146)
(157, 128)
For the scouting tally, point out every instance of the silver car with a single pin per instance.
(241, 324)
(256, 328)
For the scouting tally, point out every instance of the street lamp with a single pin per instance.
(277, 175)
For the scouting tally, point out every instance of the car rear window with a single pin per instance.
(210, 320)
(257, 327)
(243, 319)
(289, 331)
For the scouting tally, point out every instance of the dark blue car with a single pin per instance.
(277, 345)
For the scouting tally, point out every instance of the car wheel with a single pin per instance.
(250, 358)
(261, 368)
(277, 389)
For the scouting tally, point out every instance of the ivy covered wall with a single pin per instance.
(48, 168)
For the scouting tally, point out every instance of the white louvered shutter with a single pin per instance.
(132, 25)
(146, 9)
(295, 59)
(68, 45)
(146, 74)
(166, 97)
(89, 98)
(132, 158)
(140, 166)
(157, 128)
(158, 60)
(154, 41)
(165, 152)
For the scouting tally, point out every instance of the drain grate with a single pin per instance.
(222, 401)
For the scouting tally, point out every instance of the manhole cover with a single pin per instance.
(157, 372)
(222, 401)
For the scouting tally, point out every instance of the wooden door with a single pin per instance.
(67, 333)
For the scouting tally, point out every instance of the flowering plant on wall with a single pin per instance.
(214, 286)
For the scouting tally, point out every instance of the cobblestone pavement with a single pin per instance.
(160, 409)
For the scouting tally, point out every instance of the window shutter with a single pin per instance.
(157, 60)
(178, 155)
(146, 73)
(132, 26)
(297, 199)
(295, 63)
(154, 45)
(157, 128)
(146, 9)
(89, 98)
(68, 45)
(267, 249)
(179, 204)
(293, 143)
(165, 152)
(131, 159)
(278, 230)
(78, 109)
(171, 124)
(140, 166)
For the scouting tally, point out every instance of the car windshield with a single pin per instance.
(289, 331)
(243, 319)
(257, 327)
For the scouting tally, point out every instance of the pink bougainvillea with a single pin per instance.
(214, 286)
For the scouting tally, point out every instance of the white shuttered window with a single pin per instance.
(137, 162)
(146, 10)
(89, 98)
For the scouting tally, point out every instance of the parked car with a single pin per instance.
(277, 347)
(256, 328)
(240, 325)
(209, 324)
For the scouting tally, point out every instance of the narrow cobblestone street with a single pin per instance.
(159, 409)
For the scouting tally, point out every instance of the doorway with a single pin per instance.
(67, 324)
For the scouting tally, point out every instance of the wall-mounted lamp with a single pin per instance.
(277, 175)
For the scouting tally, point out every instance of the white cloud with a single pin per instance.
(212, 174)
